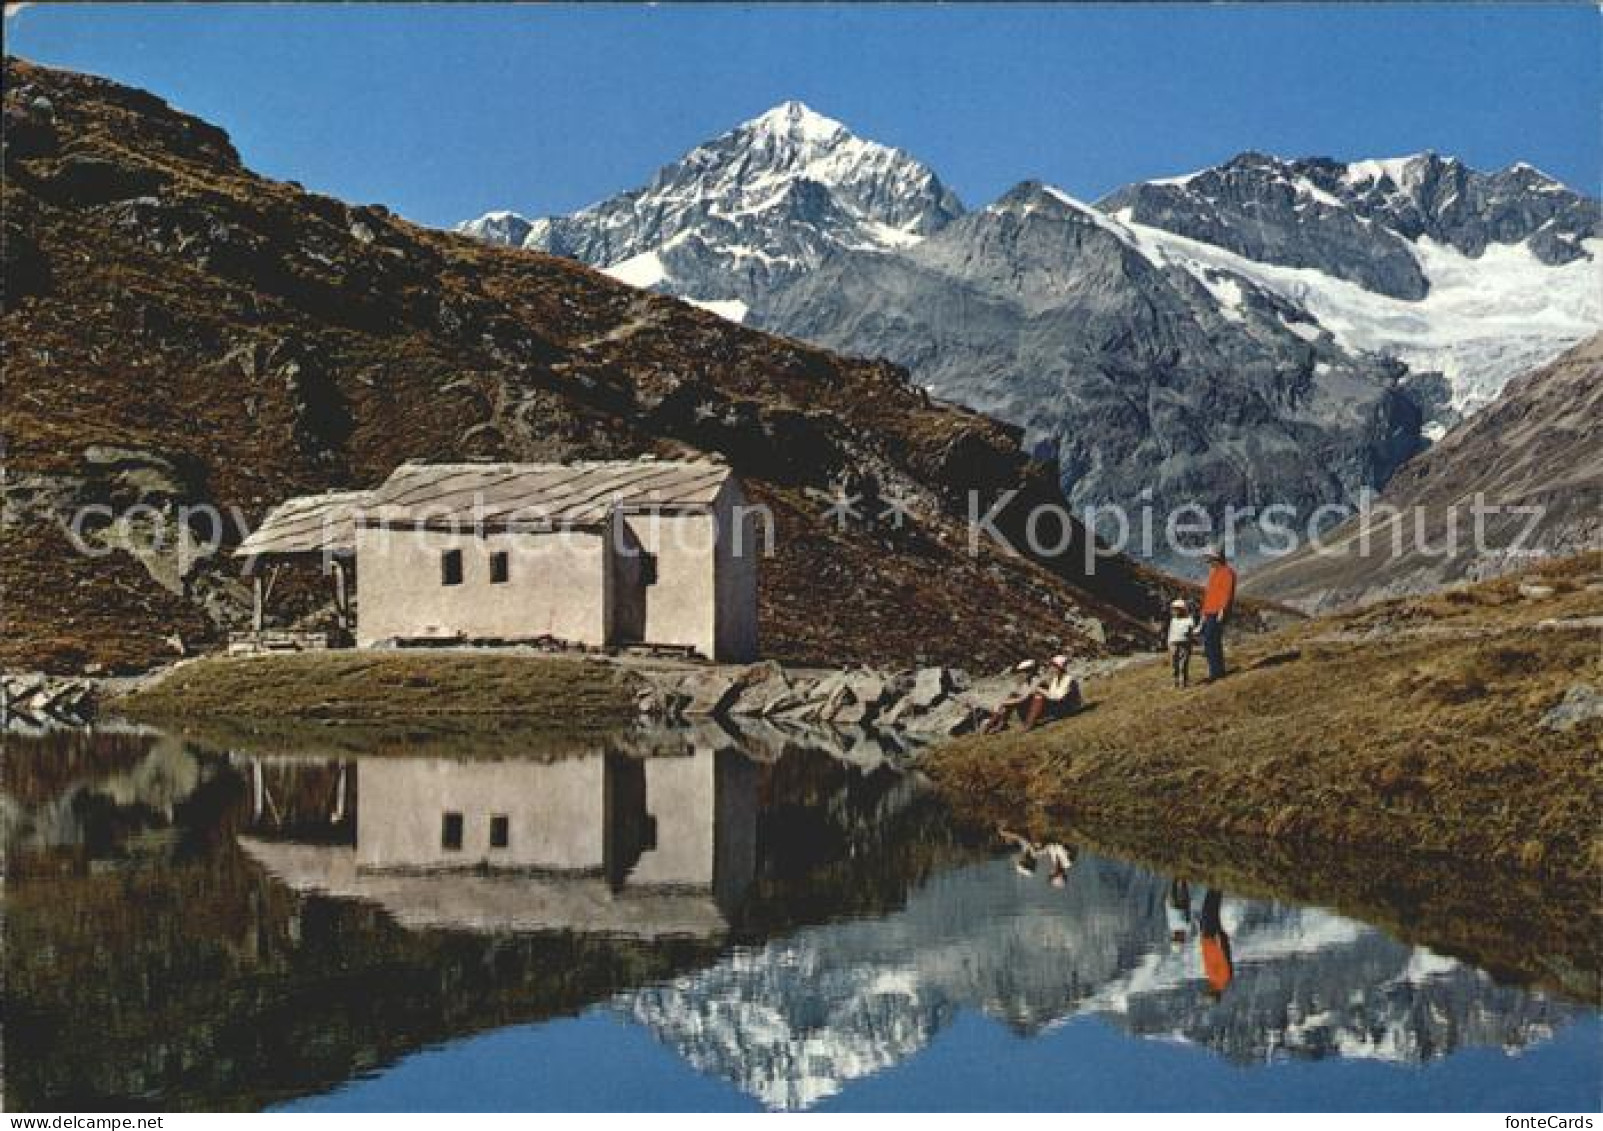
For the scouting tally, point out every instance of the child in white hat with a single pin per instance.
(1182, 635)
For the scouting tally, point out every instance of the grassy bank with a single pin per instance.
(391, 686)
(1413, 726)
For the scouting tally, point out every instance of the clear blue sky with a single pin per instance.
(445, 112)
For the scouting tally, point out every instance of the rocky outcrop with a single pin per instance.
(1469, 278)
(1532, 462)
(1581, 704)
(918, 704)
(35, 701)
(934, 701)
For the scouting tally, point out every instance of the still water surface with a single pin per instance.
(689, 919)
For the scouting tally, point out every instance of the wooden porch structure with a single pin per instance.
(310, 531)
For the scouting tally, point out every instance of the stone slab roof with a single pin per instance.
(540, 494)
(307, 524)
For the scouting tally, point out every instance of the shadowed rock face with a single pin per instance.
(797, 1020)
(1140, 376)
(1535, 454)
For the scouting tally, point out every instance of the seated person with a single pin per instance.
(1057, 698)
(1024, 676)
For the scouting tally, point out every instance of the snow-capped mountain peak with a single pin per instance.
(797, 122)
(748, 211)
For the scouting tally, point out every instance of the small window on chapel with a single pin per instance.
(451, 567)
(451, 832)
(500, 831)
(500, 568)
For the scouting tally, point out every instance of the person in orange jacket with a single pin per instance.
(1218, 965)
(1218, 596)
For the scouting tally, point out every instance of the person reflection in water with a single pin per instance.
(1177, 909)
(1029, 855)
(1217, 965)
(1059, 857)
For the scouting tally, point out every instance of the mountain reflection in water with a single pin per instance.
(192, 924)
(796, 1020)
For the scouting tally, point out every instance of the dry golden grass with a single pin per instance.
(1411, 725)
(554, 690)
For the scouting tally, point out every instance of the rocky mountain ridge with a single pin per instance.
(1153, 383)
(1356, 220)
(1416, 276)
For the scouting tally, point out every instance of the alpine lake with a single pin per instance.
(713, 918)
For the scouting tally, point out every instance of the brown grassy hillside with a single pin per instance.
(1414, 726)
(180, 330)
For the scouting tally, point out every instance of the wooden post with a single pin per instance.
(264, 594)
(339, 798)
(342, 600)
(256, 603)
(272, 579)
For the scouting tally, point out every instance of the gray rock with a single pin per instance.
(31, 700)
(900, 713)
(930, 686)
(710, 692)
(1581, 703)
(657, 701)
(1090, 627)
(855, 698)
(953, 717)
(765, 688)
(30, 129)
